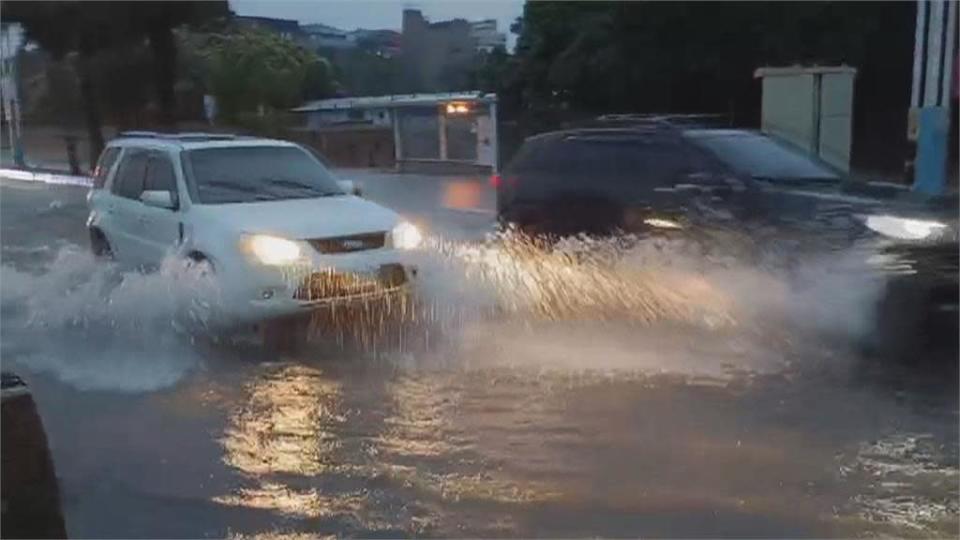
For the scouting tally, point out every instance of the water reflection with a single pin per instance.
(286, 425)
(429, 442)
(364, 448)
(375, 451)
(910, 482)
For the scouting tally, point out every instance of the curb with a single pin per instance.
(46, 177)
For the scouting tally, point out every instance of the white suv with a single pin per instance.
(280, 234)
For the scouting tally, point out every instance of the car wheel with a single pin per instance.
(99, 245)
(286, 335)
(899, 332)
(198, 263)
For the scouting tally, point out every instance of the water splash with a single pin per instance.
(649, 304)
(95, 326)
(619, 303)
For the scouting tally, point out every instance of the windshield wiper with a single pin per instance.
(293, 183)
(298, 184)
(231, 185)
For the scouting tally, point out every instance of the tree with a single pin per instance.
(682, 56)
(156, 20)
(81, 27)
(362, 72)
(86, 28)
(249, 69)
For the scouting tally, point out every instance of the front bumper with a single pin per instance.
(254, 293)
(921, 302)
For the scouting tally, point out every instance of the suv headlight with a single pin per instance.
(271, 250)
(406, 236)
(905, 228)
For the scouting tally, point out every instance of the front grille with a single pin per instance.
(347, 244)
(331, 284)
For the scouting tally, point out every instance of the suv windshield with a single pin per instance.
(257, 173)
(764, 158)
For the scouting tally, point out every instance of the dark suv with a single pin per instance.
(645, 176)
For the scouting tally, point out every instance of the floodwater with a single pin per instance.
(661, 395)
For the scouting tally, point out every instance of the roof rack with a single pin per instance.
(191, 136)
(667, 120)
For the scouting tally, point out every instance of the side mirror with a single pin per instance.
(159, 199)
(350, 187)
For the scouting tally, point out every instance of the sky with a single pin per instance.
(348, 15)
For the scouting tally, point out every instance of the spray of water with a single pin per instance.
(97, 327)
(619, 303)
(652, 305)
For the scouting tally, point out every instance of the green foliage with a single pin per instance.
(248, 68)
(665, 56)
(493, 71)
(364, 73)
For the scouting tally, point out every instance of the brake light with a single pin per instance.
(495, 180)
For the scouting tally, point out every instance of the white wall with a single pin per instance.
(811, 110)
(787, 109)
(836, 118)
(377, 117)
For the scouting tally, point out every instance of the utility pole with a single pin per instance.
(9, 52)
(934, 55)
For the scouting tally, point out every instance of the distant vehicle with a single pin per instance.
(658, 176)
(280, 235)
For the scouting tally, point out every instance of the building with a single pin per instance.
(485, 35)
(383, 43)
(445, 133)
(323, 36)
(436, 56)
(285, 28)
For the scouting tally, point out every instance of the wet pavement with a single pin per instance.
(505, 424)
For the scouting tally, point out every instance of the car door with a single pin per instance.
(159, 228)
(123, 207)
(714, 192)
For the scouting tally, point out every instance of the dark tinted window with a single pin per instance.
(160, 175)
(648, 162)
(257, 173)
(129, 180)
(104, 164)
(764, 158)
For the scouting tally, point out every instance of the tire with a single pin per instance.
(199, 263)
(99, 245)
(899, 333)
(285, 335)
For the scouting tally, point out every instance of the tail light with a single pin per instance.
(495, 180)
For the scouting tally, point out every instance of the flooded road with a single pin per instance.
(507, 425)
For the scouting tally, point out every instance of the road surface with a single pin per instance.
(512, 426)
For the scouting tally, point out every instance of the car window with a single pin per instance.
(161, 176)
(764, 158)
(238, 174)
(591, 160)
(130, 176)
(104, 164)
